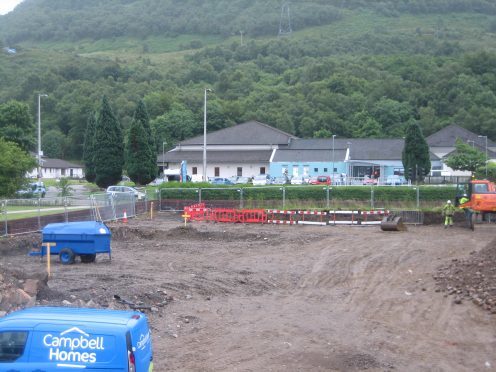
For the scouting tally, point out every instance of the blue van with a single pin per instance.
(67, 339)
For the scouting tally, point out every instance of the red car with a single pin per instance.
(369, 181)
(320, 180)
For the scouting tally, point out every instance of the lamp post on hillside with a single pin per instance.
(205, 135)
(39, 135)
(333, 137)
(163, 155)
(486, 151)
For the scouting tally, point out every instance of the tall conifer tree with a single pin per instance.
(109, 147)
(89, 148)
(141, 159)
(416, 158)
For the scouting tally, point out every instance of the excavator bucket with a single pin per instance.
(392, 223)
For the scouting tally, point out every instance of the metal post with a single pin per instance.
(486, 151)
(205, 134)
(163, 157)
(372, 198)
(418, 198)
(199, 195)
(241, 200)
(327, 196)
(39, 214)
(4, 212)
(283, 197)
(39, 135)
(66, 215)
(333, 136)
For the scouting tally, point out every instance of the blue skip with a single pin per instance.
(72, 239)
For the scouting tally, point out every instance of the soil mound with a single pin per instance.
(473, 278)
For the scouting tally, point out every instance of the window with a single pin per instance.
(239, 171)
(316, 170)
(217, 172)
(325, 170)
(12, 345)
(194, 170)
(262, 170)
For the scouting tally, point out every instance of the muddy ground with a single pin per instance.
(225, 297)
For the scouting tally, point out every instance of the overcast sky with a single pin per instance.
(7, 5)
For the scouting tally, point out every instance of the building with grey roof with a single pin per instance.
(242, 150)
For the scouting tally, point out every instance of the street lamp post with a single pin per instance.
(333, 137)
(486, 151)
(205, 135)
(39, 134)
(163, 156)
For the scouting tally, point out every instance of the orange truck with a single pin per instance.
(482, 198)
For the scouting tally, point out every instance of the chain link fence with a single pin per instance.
(306, 197)
(19, 216)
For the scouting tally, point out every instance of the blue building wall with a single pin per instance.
(276, 169)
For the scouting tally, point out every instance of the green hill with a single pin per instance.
(351, 68)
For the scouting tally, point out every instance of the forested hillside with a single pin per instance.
(351, 68)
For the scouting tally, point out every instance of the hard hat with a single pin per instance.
(449, 202)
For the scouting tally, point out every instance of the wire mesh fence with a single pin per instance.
(306, 197)
(19, 216)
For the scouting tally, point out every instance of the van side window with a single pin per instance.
(12, 345)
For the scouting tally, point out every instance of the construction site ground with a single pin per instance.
(252, 297)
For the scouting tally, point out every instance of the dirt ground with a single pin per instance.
(234, 297)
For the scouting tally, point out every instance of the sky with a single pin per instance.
(7, 5)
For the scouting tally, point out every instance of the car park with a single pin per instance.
(320, 180)
(221, 181)
(262, 180)
(115, 190)
(395, 180)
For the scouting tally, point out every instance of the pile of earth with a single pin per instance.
(472, 278)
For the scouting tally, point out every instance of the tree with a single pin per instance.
(141, 160)
(416, 159)
(465, 158)
(109, 148)
(14, 163)
(53, 143)
(89, 148)
(64, 187)
(16, 124)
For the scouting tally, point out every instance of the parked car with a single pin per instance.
(320, 180)
(242, 180)
(157, 181)
(395, 180)
(279, 181)
(114, 190)
(221, 181)
(262, 180)
(369, 181)
(33, 190)
(297, 180)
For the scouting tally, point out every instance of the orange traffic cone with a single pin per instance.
(124, 219)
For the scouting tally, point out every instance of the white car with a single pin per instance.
(157, 181)
(114, 190)
(297, 180)
(261, 180)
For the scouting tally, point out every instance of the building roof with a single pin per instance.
(58, 163)
(262, 156)
(360, 149)
(447, 137)
(249, 133)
